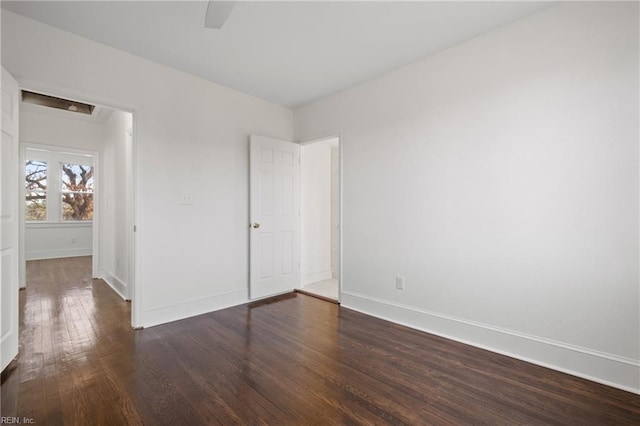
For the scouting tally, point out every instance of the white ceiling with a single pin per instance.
(290, 53)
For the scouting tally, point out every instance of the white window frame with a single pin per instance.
(62, 192)
(54, 159)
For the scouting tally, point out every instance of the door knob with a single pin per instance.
(255, 225)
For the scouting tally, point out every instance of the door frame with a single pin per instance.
(9, 300)
(132, 218)
(322, 138)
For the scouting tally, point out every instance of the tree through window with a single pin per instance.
(77, 192)
(36, 190)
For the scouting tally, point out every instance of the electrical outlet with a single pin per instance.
(400, 283)
(186, 199)
(73, 240)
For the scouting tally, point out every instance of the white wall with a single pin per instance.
(116, 202)
(53, 240)
(54, 129)
(315, 209)
(190, 134)
(500, 178)
(49, 241)
(335, 211)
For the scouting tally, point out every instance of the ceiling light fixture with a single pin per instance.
(217, 13)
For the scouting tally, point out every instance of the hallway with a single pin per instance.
(70, 327)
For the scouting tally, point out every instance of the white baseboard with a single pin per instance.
(178, 311)
(314, 278)
(55, 254)
(608, 369)
(116, 284)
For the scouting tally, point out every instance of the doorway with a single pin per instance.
(66, 147)
(320, 218)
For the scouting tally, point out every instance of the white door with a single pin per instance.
(274, 181)
(9, 218)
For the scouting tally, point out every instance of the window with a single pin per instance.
(77, 192)
(59, 187)
(36, 190)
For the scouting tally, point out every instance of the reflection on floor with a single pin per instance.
(326, 288)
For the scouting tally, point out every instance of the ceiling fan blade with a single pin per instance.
(217, 13)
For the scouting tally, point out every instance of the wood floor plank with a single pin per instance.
(340, 375)
(287, 360)
(204, 366)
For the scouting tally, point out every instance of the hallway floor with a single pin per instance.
(70, 328)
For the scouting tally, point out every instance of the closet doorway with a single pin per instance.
(320, 218)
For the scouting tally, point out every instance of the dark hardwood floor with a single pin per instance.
(293, 359)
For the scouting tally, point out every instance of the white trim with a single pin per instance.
(133, 221)
(67, 224)
(56, 254)
(191, 308)
(60, 149)
(609, 369)
(97, 206)
(322, 137)
(116, 284)
(22, 211)
(340, 213)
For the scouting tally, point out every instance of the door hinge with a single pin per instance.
(135, 229)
